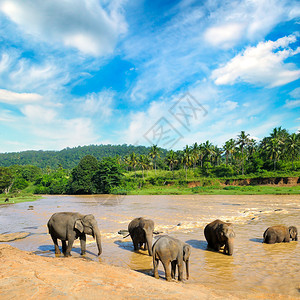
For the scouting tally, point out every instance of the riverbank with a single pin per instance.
(8, 199)
(216, 190)
(28, 276)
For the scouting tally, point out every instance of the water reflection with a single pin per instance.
(254, 265)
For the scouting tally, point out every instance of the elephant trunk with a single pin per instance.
(149, 243)
(98, 240)
(230, 246)
(187, 270)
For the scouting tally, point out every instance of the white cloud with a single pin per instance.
(38, 114)
(10, 97)
(295, 93)
(261, 65)
(224, 35)
(247, 20)
(292, 103)
(98, 104)
(82, 24)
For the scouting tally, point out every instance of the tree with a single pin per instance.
(154, 154)
(6, 179)
(293, 147)
(187, 159)
(133, 162)
(273, 149)
(171, 160)
(208, 150)
(228, 148)
(243, 140)
(108, 176)
(82, 176)
(195, 154)
(144, 163)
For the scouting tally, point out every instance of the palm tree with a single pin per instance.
(293, 147)
(144, 163)
(273, 149)
(133, 162)
(243, 140)
(195, 154)
(201, 153)
(127, 161)
(154, 154)
(187, 159)
(217, 154)
(208, 150)
(171, 160)
(228, 148)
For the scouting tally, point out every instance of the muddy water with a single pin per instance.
(254, 266)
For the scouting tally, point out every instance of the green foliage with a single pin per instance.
(6, 179)
(223, 171)
(108, 176)
(83, 176)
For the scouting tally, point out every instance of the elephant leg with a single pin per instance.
(83, 244)
(180, 271)
(70, 246)
(173, 268)
(64, 247)
(145, 246)
(166, 264)
(155, 267)
(135, 244)
(54, 239)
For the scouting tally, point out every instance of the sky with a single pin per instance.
(170, 73)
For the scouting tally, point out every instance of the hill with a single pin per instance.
(68, 158)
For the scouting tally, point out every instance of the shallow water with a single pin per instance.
(254, 266)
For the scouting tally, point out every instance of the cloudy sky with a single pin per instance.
(80, 72)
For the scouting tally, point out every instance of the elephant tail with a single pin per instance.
(126, 236)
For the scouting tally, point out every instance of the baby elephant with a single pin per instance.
(171, 250)
(280, 234)
(218, 234)
(141, 232)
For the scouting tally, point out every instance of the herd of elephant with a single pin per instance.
(68, 226)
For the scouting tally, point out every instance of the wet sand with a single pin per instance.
(254, 269)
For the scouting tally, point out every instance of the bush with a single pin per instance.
(223, 171)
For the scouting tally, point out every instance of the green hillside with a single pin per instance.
(69, 158)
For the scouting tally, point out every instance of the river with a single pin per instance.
(254, 266)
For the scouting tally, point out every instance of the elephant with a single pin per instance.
(141, 232)
(280, 234)
(293, 233)
(170, 250)
(218, 234)
(68, 226)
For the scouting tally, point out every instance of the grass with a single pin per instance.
(217, 190)
(25, 195)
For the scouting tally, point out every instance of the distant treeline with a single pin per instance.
(119, 169)
(69, 158)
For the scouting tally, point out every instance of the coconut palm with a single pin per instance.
(208, 150)
(144, 163)
(195, 154)
(133, 162)
(274, 150)
(293, 147)
(243, 140)
(228, 148)
(187, 159)
(154, 154)
(172, 160)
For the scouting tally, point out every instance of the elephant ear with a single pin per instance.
(78, 225)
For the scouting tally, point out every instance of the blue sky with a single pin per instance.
(170, 73)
